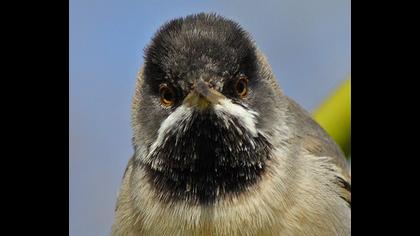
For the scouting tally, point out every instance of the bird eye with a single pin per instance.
(167, 96)
(242, 87)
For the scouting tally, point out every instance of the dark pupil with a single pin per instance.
(167, 95)
(240, 87)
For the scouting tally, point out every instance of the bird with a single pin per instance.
(219, 149)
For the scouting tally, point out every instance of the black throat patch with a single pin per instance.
(207, 161)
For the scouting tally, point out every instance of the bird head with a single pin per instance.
(204, 110)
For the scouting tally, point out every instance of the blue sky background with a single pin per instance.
(307, 43)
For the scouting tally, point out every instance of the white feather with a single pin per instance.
(246, 117)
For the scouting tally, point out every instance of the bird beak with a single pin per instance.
(202, 96)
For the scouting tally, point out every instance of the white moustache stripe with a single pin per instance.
(247, 117)
(175, 121)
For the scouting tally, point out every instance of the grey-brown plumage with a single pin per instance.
(219, 149)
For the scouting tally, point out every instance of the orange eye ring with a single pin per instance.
(242, 87)
(167, 95)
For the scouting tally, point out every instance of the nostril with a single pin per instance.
(202, 87)
(204, 83)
